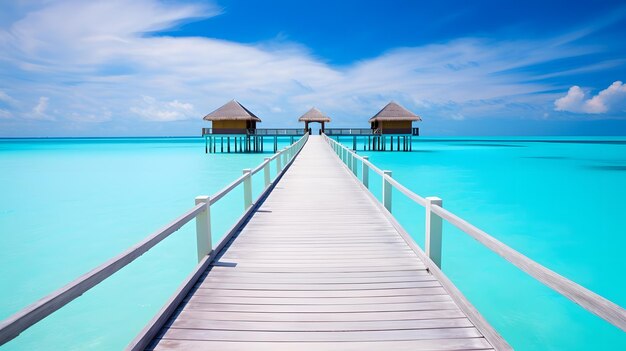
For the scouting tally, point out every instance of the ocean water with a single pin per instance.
(559, 201)
(67, 205)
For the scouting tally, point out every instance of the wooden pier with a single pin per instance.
(319, 266)
(316, 263)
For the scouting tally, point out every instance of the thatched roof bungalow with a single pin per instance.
(394, 119)
(314, 115)
(232, 118)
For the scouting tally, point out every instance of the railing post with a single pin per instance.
(348, 159)
(387, 191)
(434, 227)
(365, 172)
(266, 172)
(354, 160)
(284, 156)
(247, 189)
(203, 228)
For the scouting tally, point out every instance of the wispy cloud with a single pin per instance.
(4, 97)
(40, 111)
(611, 99)
(4, 114)
(152, 110)
(105, 61)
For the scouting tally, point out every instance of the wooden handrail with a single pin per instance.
(25, 318)
(584, 297)
(30, 315)
(580, 295)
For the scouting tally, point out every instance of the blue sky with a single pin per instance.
(149, 67)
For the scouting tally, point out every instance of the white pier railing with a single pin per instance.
(30, 315)
(435, 214)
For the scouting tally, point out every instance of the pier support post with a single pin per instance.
(203, 228)
(365, 172)
(387, 191)
(266, 172)
(434, 227)
(247, 189)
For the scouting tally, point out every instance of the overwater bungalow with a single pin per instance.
(233, 128)
(314, 115)
(232, 118)
(394, 119)
(392, 127)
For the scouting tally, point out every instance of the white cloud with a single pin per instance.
(92, 56)
(180, 105)
(4, 114)
(40, 110)
(41, 106)
(574, 101)
(150, 109)
(4, 97)
(611, 99)
(103, 116)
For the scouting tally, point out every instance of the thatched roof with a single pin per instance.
(395, 112)
(314, 115)
(232, 110)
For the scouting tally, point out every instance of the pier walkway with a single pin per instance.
(319, 267)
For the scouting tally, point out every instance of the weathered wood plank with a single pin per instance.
(317, 301)
(321, 317)
(236, 285)
(189, 323)
(382, 335)
(216, 278)
(475, 344)
(216, 291)
(388, 307)
(315, 269)
(217, 272)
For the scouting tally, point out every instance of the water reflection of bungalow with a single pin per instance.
(314, 116)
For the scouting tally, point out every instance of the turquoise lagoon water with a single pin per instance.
(560, 201)
(67, 205)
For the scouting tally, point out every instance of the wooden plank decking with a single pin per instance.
(319, 267)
